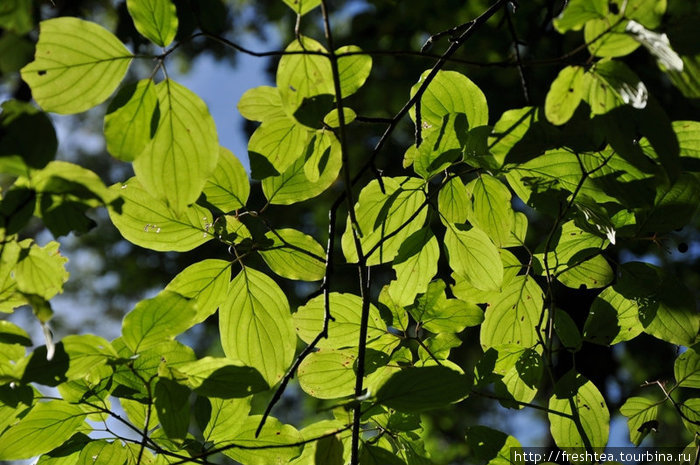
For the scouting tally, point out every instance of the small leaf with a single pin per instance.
(639, 411)
(434, 312)
(154, 19)
(415, 389)
(353, 70)
(473, 256)
(77, 65)
(606, 37)
(101, 452)
(256, 326)
(41, 270)
(129, 120)
(87, 353)
(332, 119)
(344, 330)
(261, 103)
(148, 222)
(44, 428)
(228, 188)
(206, 283)
(301, 76)
(175, 165)
(294, 255)
(328, 374)
(564, 94)
(301, 7)
(576, 396)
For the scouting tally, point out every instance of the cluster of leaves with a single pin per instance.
(600, 160)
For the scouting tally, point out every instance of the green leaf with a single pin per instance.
(41, 270)
(565, 93)
(225, 417)
(156, 320)
(222, 378)
(184, 151)
(520, 134)
(567, 331)
(154, 19)
(45, 427)
(673, 207)
(16, 16)
(87, 354)
(578, 12)
(492, 212)
(206, 283)
(129, 122)
(438, 314)
(687, 369)
(440, 147)
(28, 133)
(612, 84)
(344, 330)
(228, 188)
(592, 273)
(612, 319)
(309, 175)
(607, 37)
(397, 211)
(274, 433)
(353, 70)
(588, 428)
(301, 7)
(256, 326)
(300, 75)
(294, 255)
(327, 451)
(639, 412)
(518, 372)
(275, 145)
(328, 374)
(450, 92)
(688, 134)
(10, 333)
(415, 389)
(102, 452)
(512, 317)
(491, 446)
(667, 309)
(473, 256)
(148, 222)
(571, 247)
(261, 103)
(77, 65)
(172, 407)
(453, 201)
(415, 265)
(332, 120)
(690, 409)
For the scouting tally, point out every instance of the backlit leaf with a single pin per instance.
(492, 212)
(261, 103)
(77, 65)
(273, 433)
(129, 120)
(564, 94)
(415, 389)
(687, 368)
(256, 326)
(222, 378)
(206, 283)
(301, 76)
(301, 7)
(154, 19)
(415, 265)
(228, 188)
(328, 374)
(353, 70)
(612, 319)
(294, 255)
(578, 12)
(473, 256)
(41, 270)
(639, 411)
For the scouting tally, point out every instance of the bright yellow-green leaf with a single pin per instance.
(87, 353)
(491, 209)
(275, 145)
(639, 411)
(564, 95)
(328, 374)
(102, 452)
(612, 319)
(332, 120)
(273, 433)
(450, 92)
(294, 255)
(206, 283)
(517, 372)
(45, 427)
(344, 330)
(183, 154)
(41, 270)
(438, 314)
(578, 12)
(453, 201)
(512, 317)
(154, 19)
(300, 181)
(592, 273)
(606, 37)
(301, 76)
(327, 451)
(129, 120)
(440, 147)
(256, 326)
(261, 103)
(473, 256)
(148, 222)
(575, 395)
(415, 265)
(228, 188)
(612, 84)
(225, 418)
(301, 7)
(687, 368)
(353, 70)
(77, 65)
(156, 320)
(382, 213)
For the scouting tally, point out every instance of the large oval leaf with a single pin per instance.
(256, 326)
(473, 256)
(77, 65)
(300, 75)
(328, 374)
(294, 255)
(182, 155)
(416, 389)
(148, 222)
(154, 19)
(206, 283)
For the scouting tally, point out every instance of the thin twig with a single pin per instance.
(518, 59)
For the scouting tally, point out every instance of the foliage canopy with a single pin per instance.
(488, 223)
